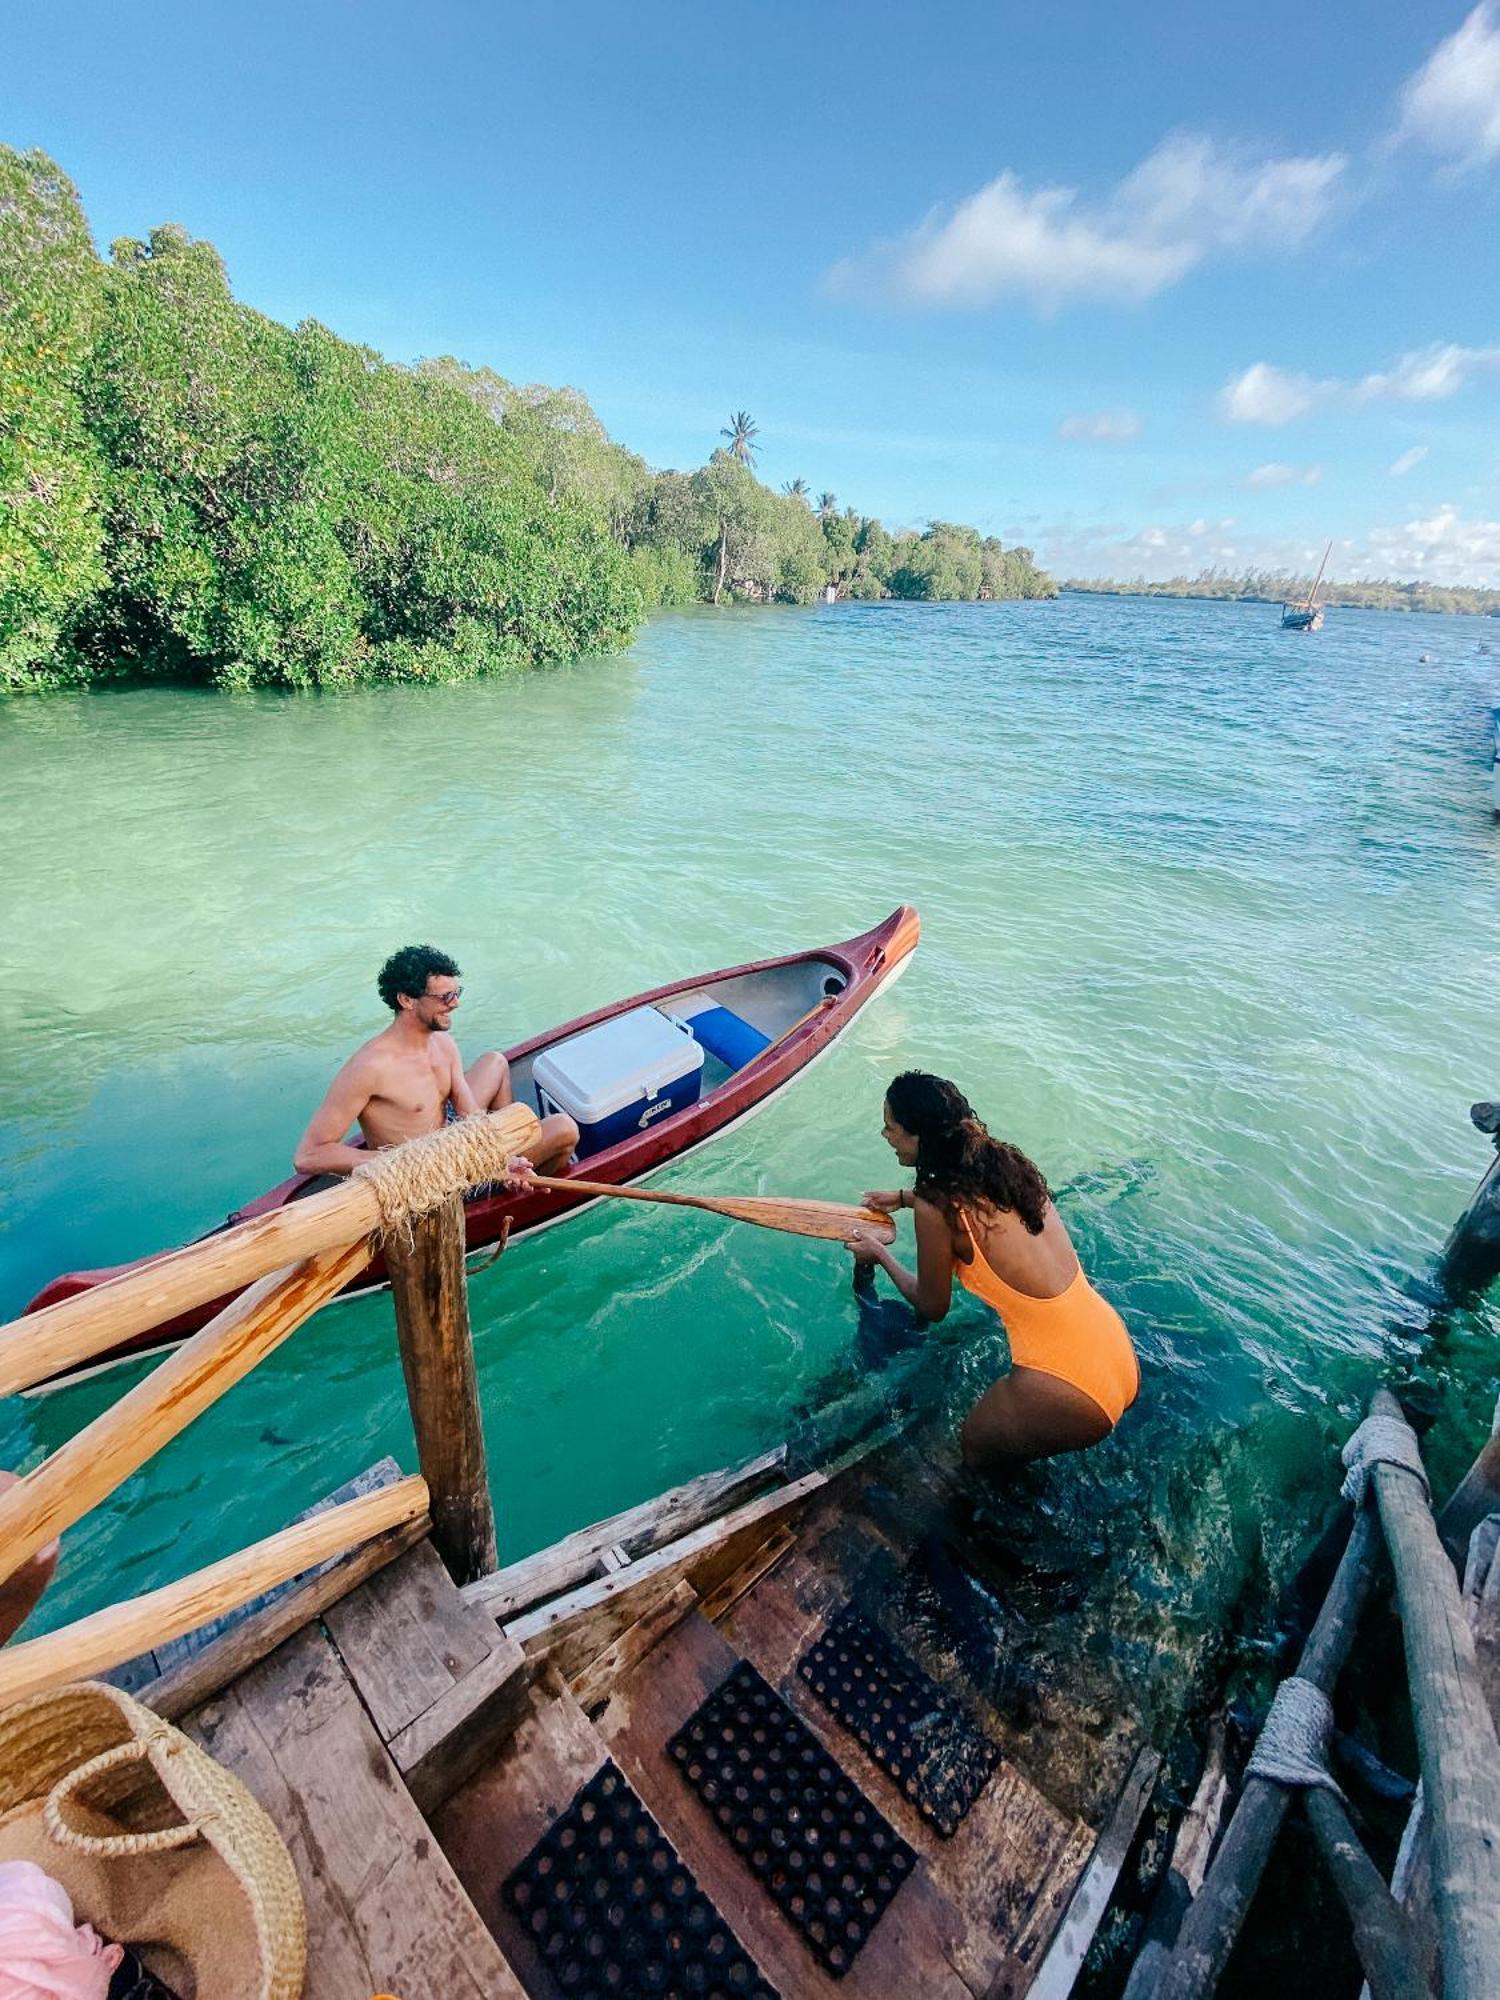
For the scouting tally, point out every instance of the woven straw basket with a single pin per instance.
(159, 1846)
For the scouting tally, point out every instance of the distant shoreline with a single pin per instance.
(1466, 600)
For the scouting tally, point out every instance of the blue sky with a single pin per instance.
(1148, 288)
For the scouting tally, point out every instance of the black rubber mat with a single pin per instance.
(615, 1915)
(830, 1860)
(903, 1718)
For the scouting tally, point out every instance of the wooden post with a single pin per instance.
(1455, 1736)
(1382, 1930)
(437, 1357)
(1213, 1920)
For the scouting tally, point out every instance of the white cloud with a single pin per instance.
(1267, 395)
(1285, 475)
(1101, 426)
(1442, 547)
(1452, 104)
(1407, 462)
(1185, 201)
(1430, 373)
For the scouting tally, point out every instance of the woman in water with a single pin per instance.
(984, 1215)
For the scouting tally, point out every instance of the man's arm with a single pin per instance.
(322, 1149)
(463, 1100)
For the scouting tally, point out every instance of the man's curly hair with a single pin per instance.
(408, 971)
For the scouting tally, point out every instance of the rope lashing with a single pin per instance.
(1292, 1748)
(416, 1178)
(1381, 1441)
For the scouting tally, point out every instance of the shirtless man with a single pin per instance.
(403, 1082)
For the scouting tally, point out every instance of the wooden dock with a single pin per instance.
(744, 1738)
(413, 1749)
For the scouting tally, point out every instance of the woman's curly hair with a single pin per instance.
(957, 1160)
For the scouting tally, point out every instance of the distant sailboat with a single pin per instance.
(1306, 614)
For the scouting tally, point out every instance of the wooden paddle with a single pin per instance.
(829, 1219)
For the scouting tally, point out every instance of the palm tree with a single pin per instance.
(740, 434)
(828, 506)
(795, 489)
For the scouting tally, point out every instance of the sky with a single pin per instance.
(1148, 289)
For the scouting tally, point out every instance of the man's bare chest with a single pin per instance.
(415, 1090)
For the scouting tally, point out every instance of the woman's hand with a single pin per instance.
(865, 1245)
(888, 1199)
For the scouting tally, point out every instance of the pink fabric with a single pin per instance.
(42, 1956)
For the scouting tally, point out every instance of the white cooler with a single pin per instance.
(619, 1078)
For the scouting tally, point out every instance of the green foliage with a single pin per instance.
(666, 575)
(51, 559)
(193, 491)
(189, 490)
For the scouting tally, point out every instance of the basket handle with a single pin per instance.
(132, 1752)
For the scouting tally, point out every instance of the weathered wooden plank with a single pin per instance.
(204, 1671)
(1482, 1602)
(579, 1557)
(590, 1687)
(152, 1666)
(1034, 1926)
(1060, 1967)
(464, 1728)
(386, 1914)
(776, 1623)
(1187, 1865)
(722, 1600)
(430, 1290)
(406, 1636)
(572, 1629)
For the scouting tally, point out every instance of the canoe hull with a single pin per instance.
(864, 964)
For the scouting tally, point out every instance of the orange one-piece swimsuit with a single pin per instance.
(1075, 1335)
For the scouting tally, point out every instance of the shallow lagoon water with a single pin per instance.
(1209, 928)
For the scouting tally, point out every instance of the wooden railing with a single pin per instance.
(281, 1268)
(1460, 1765)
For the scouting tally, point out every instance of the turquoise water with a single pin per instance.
(1209, 929)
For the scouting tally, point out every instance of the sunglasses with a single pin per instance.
(449, 999)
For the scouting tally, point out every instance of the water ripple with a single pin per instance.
(1209, 928)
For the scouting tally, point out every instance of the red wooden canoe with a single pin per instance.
(801, 1002)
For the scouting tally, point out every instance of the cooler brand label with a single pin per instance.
(653, 1111)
